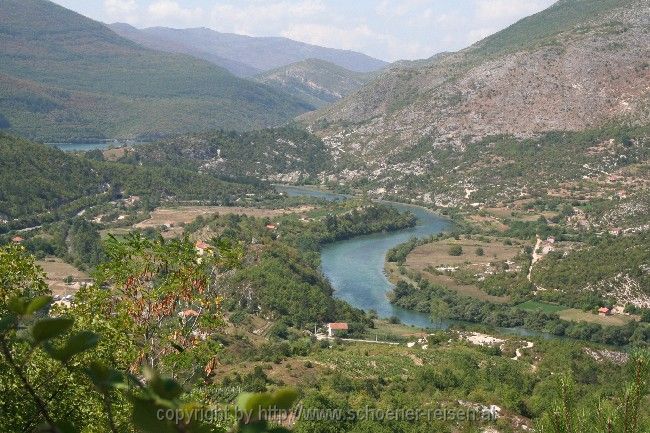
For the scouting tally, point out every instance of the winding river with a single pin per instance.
(355, 267)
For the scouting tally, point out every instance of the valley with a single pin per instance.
(214, 232)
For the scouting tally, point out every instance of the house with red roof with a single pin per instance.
(201, 247)
(336, 326)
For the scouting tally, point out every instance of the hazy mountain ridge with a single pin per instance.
(575, 66)
(243, 55)
(315, 81)
(63, 75)
(154, 41)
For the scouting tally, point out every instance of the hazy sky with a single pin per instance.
(386, 29)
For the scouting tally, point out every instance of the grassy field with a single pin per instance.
(576, 315)
(541, 306)
(437, 253)
(383, 328)
(518, 214)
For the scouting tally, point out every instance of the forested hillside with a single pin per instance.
(288, 154)
(39, 183)
(65, 76)
(35, 178)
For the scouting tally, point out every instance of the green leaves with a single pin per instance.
(284, 398)
(105, 378)
(258, 406)
(47, 329)
(26, 307)
(146, 417)
(74, 345)
(37, 303)
(166, 389)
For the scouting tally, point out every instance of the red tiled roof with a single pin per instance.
(338, 326)
(187, 313)
(603, 310)
(17, 239)
(201, 245)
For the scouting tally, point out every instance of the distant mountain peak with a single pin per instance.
(244, 55)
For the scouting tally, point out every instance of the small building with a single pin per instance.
(616, 231)
(271, 226)
(604, 311)
(201, 247)
(338, 326)
(17, 239)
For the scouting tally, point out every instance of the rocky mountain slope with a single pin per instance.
(63, 76)
(577, 66)
(243, 55)
(286, 154)
(317, 82)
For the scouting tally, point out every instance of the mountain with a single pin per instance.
(579, 67)
(315, 81)
(63, 76)
(152, 40)
(243, 55)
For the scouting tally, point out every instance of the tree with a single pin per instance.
(439, 310)
(479, 251)
(58, 378)
(455, 250)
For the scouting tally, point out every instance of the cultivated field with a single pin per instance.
(576, 315)
(436, 255)
(173, 218)
(57, 271)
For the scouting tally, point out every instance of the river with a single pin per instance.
(355, 267)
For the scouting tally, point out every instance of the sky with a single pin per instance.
(386, 29)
